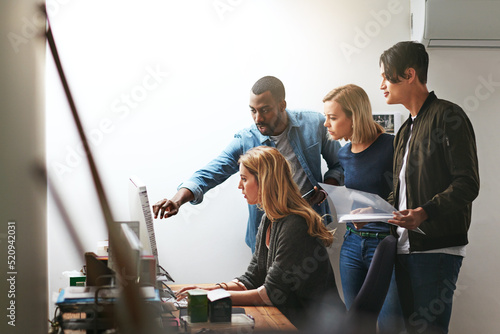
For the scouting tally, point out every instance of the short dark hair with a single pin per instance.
(402, 56)
(272, 84)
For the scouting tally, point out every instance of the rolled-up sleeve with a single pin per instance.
(215, 172)
(330, 153)
(255, 274)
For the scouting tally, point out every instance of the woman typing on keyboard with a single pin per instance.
(290, 268)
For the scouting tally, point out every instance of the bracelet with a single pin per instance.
(239, 283)
(324, 193)
(221, 285)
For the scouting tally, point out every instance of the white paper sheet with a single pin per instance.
(351, 205)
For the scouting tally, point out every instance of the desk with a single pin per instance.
(267, 318)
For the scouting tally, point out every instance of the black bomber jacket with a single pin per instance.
(442, 173)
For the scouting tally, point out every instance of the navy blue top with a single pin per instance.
(370, 171)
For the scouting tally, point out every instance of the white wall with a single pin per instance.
(206, 56)
(460, 76)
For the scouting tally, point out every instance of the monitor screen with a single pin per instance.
(140, 211)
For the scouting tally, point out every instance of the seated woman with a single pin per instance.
(290, 268)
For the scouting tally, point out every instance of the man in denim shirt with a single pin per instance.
(299, 136)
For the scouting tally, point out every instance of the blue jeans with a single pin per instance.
(355, 257)
(426, 284)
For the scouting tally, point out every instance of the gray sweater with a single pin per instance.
(295, 270)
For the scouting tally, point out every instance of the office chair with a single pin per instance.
(362, 316)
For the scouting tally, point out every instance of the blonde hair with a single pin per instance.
(279, 194)
(356, 105)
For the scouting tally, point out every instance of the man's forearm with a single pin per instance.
(182, 196)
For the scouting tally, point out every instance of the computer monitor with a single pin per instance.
(133, 250)
(140, 211)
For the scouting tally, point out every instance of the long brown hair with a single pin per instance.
(278, 193)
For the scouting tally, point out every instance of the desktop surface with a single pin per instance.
(267, 318)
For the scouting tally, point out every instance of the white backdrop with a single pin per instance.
(162, 86)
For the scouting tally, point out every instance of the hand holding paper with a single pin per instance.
(362, 207)
(359, 226)
(409, 219)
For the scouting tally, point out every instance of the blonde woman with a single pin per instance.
(367, 163)
(290, 268)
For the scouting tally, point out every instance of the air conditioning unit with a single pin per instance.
(456, 23)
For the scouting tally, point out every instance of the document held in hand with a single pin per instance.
(358, 206)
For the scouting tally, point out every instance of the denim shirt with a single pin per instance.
(309, 139)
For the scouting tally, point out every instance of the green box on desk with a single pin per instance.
(219, 306)
(197, 305)
(77, 280)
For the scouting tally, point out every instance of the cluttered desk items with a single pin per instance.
(212, 310)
